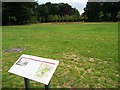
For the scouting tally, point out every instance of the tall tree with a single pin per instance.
(92, 10)
(17, 12)
(102, 11)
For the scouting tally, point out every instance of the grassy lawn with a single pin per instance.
(88, 53)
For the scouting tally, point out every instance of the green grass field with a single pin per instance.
(88, 53)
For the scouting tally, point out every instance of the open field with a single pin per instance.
(88, 53)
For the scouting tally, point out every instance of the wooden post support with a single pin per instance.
(27, 84)
(47, 87)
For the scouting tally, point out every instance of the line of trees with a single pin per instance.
(57, 12)
(31, 12)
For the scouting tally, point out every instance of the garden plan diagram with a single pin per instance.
(35, 68)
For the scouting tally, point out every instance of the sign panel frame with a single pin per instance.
(35, 68)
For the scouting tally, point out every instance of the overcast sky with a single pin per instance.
(78, 4)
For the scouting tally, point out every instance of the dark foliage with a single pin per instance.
(101, 11)
(30, 12)
(17, 13)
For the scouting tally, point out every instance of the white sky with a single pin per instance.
(78, 4)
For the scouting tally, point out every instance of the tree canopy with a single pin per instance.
(17, 13)
(101, 11)
(30, 12)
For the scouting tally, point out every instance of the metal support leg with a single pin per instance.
(27, 84)
(47, 87)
